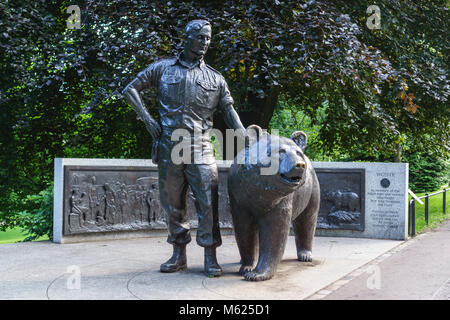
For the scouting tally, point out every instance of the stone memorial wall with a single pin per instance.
(114, 199)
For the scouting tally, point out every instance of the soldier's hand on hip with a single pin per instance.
(153, 127)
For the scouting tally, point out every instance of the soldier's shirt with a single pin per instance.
(187, 96)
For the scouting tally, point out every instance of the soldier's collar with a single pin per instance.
(200, 63)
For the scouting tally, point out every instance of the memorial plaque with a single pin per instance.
(102, 199)
(110, 196)
(341, 199)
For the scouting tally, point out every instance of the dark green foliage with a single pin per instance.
(37, 219)
(414, 39)
(427, 173)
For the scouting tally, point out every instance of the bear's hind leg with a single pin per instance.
(273, 234)
(305, 225)
(246, 234)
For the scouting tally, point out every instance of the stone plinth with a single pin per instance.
(98, 199)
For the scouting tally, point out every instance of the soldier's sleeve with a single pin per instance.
(150, 75)
(226, 100)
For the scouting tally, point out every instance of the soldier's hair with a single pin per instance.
(195, 26)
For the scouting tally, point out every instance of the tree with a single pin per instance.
(427, 173)
(414, 38)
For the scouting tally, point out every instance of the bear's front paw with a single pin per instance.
(304, 255)
(244, 269)
(256, 276)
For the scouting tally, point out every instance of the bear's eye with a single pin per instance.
(282, 150)
(299, 153)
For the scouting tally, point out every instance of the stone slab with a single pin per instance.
(385, 197)
(381, 189)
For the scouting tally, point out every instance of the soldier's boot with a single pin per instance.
(212, 268)
(178, 260)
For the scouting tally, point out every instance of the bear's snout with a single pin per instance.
(297, 170)
(295, 174)
(300, 165)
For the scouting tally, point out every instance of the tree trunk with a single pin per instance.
(398, 153)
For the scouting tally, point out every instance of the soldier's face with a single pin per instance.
(198, 42)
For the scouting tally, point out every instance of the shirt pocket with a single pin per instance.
(169, 87)
(207, 94)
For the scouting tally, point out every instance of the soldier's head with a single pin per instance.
(197, 36)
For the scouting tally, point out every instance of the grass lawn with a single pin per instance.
(14, 235)
(435, 214)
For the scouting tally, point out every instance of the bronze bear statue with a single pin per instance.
(264, 205)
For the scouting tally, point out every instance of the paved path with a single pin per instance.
(416, 270)
(129, 269)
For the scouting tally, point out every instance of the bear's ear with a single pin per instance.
(254, 132)
(300, 139)
(254, 128)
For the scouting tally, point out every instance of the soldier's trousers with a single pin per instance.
(174, 180)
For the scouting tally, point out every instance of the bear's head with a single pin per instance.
(292, 161)
(275, 163)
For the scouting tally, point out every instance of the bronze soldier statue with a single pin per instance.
(188, 93)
